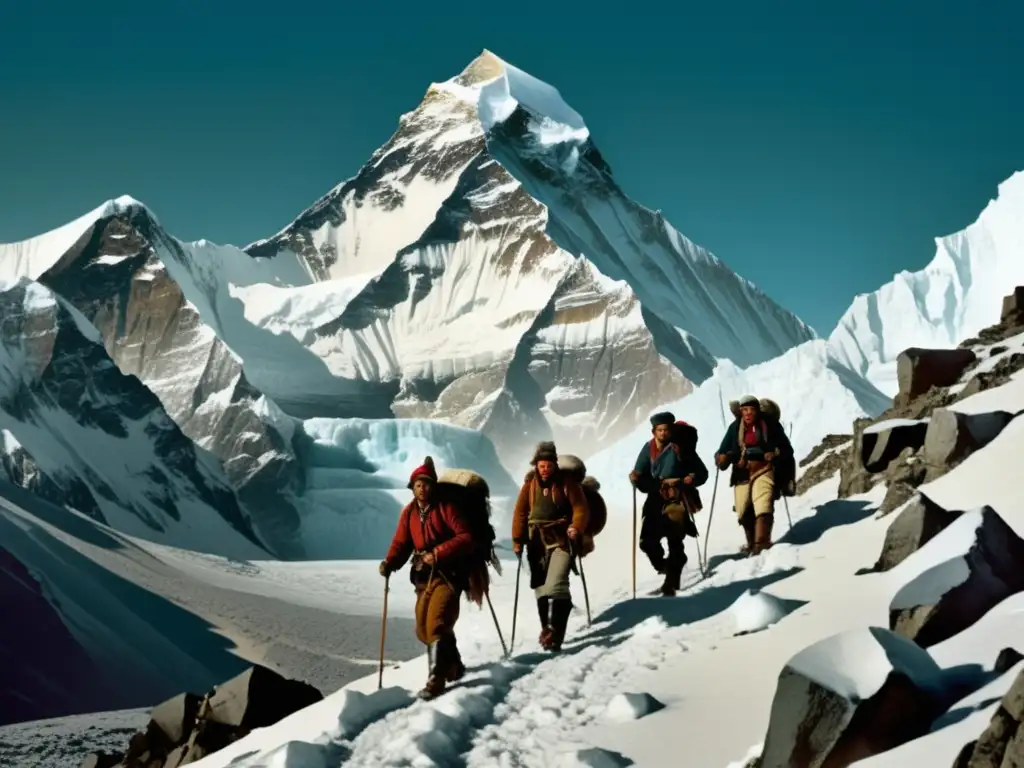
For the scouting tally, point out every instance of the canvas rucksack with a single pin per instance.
(574, 467)
(470, 495)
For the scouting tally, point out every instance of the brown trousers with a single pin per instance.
(437, 610)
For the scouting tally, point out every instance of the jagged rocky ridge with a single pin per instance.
(83, 433)
(919, 439)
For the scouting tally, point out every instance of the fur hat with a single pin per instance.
(750, 400)
(664, 418)
(424, 471)
(546, 451)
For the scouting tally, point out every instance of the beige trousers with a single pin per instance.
(758, 495)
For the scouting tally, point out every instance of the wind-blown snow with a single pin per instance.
(955, 296)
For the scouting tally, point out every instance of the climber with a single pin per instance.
(433, 533)
(669, 471)
(760, 453)
(550, 518)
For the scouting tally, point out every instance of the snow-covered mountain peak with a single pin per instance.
(956, 295)
(497, 88)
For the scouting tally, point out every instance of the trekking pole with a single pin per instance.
(700, 558)
(383, 633)
(711, 514)
(497, 626)
(586, 594)
(634, 546)
(789, 519)
(515, 604)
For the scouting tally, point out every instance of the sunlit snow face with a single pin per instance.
(421, 490)
(661, 433)
(545, 469)
(749, 413)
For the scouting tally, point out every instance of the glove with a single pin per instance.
(517, 549)
(721, 459)
(633, 477)
(384, 569)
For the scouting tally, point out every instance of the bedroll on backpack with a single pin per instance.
(469, 493)
(768, 407)
(574, 467)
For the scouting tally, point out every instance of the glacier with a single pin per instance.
(956, 295)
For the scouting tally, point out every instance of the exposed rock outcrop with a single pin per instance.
(188, 727)
(1001, 744)
(919, 370)
(918, 523)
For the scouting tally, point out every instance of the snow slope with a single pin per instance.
(948, 301)
(711, 656)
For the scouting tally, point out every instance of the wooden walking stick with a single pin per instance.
(515, 604)
(634, 542)
(497, 626)
(383, 633)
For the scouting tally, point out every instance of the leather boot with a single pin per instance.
(749, 529)
(762, 533)
(544, 612)
(673, 574)
(560, 610)
(435, 680)
(456, 669)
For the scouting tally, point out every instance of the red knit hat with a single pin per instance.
(425, 470)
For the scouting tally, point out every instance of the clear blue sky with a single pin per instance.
(817, 147)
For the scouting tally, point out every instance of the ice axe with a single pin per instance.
(515, 604)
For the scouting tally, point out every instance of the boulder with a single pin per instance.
(1013, 305)
(850, 696)
(918, 370)
(902, 478)
(259, 697)
(883, 442)
(1007, 659)
(918, 523)
(1001, 744)
(969, 568)
(176, 717)
(953, 436)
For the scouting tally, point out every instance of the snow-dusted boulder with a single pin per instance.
(1001, 744)
(919, 522)
(918, 370)
(969, 568)
(754, 611)
(953, 436)
(850, 696)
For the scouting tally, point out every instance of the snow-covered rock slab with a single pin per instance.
(953, 436)
(625, 707)
(980, 567)
(593, 757)
(850, 696)
(919, 522)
